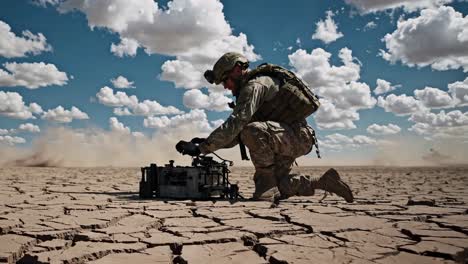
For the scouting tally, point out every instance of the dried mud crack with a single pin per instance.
(77, 215)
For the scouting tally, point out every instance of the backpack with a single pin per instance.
(295, 100)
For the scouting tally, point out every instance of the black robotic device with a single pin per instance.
(205, 179)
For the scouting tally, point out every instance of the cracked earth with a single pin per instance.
(77, 215)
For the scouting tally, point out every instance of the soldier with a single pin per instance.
(273, 128)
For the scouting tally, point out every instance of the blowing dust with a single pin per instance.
(94, 147)
(66, 147)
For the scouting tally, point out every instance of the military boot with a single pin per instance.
(331, 182)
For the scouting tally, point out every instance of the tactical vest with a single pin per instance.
(294, 100)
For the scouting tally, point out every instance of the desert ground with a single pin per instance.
(77, 215)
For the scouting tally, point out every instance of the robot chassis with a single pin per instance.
(205, 179)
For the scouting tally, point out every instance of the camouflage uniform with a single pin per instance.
(273, 146)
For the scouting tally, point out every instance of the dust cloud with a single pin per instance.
(94, 147)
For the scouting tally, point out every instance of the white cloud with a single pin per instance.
(342, 95)
(327, 31)
(384, 86)
(370, 25)
(4, 131)
(31, 75)
(122, 111)
(12, 140)
(126, 47)
(150, 108)
(213, 101)
(383, 129)
(196, 120)
(117, 126)
(453, 124)
(368, 6)
(30, 128)
(339, 141)
(434, 98)
(107, 97)
(61, 115)
(44, 3)
(459, 91)
(453, 118)
(12, 105)
(122, 82)
(12, 46)
(438, 37)
(329, 117)
(400, 105)
(35, 108)
(195, 32)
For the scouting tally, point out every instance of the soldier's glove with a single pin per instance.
(197, 140)
(187, 148)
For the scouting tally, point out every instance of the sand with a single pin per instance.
(77, 215)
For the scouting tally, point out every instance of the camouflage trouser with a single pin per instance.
(273, 149)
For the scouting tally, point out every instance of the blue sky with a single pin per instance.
(392, 77)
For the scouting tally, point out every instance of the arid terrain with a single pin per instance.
(76, 215)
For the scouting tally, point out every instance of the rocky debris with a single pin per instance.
(77, 215)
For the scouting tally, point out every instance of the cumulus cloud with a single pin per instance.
(330, 117)
(369, 6)
(4, 131)
(370, 25)
(453, 124)
(389, 129)
(327, 30)
(150, 108)
(400, 105)
(459, 91)
(437, 37)
(195, 32)
(12, 46)
(117, 126)
(434, 98)
(44, 3)
(13, 106)
(107, 97)
(122, 111)
(126, 47)
(214, 101)
(29, 128)
(122, 82)
(338, 142)
(195, 119)
(11, 140)
(61, 115)
(384, 86)
(31, 75)
(342, 95)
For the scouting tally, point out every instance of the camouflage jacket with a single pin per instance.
(251, 97)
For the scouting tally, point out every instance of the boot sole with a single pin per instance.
(334, 175)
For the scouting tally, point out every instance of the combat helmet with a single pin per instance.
(224, 65)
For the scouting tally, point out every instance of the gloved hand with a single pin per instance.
(187, 148)
(197, 140)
